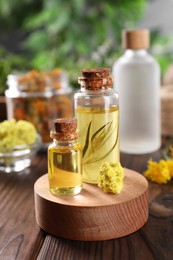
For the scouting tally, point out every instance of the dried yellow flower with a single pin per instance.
(13, 133)
(170, 167)
(159, 172)
(111, 177)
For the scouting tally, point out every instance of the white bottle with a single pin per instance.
(137, 81)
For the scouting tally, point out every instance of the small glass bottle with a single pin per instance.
(137, 82)
(97, 112)
(64, 158)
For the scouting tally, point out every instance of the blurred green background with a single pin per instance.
(71, 34)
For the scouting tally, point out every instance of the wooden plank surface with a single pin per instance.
(21, 238)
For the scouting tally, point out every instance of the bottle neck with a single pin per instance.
(138, 52)
(96, 92)
(66, 143)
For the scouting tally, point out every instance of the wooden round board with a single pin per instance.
(93, 214)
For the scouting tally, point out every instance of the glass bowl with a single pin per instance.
(18, 158)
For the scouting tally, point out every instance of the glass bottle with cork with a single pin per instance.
(64, 158)
(97, 112)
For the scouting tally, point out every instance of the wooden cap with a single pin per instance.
(95, 78)
(136, 39)
(95, 72)
(65, 125)
(64, 129)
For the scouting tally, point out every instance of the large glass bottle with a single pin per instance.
(97, 112)
(138, 85)
(64, 158)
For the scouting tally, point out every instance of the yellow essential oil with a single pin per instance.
(99, 139)
(64, 160)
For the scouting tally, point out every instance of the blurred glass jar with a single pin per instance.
(18, 158)
(39, 97)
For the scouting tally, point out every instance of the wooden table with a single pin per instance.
(21, 238)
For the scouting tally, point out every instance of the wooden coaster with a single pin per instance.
(93, 214)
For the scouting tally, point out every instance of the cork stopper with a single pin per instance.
(65, 129)
(136, 39)
(95, 78)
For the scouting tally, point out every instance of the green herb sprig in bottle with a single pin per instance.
(64, 158)
(97, 112)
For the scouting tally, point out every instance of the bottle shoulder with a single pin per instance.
(65, 145)
(95, 93)
(102, 99)
(136, 57)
